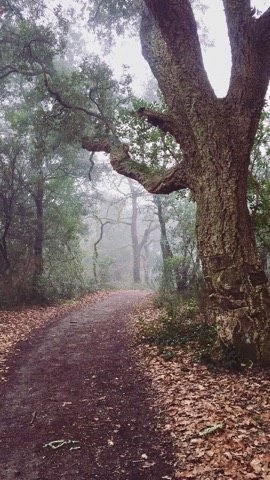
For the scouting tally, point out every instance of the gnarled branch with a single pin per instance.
(154, 181)
(249, 66)
(164, 121)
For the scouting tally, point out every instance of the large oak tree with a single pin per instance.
(216, 137)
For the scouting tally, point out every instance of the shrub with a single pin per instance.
(179, 323)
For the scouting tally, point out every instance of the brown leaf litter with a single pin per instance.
(219, 421)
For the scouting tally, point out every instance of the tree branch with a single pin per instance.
(247, 35)
(174, 21)
(102, 145)
(149, 229)
(7, 70)
(58, 96)
(163, 121)
(170, 180)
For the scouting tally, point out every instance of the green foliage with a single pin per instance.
(41, 203)
(103, 266)
(185, 324)
(180, 325)
(51, 106)
(148, 146)
(63, 275)
(109, 17)
(259, 183)
(29, 49)
(181, 269)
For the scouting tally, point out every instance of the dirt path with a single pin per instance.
(77, 381)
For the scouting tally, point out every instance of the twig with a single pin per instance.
(34, 416)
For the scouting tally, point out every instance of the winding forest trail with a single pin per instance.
(77, 380)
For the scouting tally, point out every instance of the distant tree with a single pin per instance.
(128, 215)
(139, 243)
(178, 243)
(102, 225)
(169, 273)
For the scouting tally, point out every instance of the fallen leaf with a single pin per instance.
(256, 465)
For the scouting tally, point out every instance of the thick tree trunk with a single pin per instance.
(216, 137)
(237, 284)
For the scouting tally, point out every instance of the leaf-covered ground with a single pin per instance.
(18, 325)
(76, 404)
(219, 421)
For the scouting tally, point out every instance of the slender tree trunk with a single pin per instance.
(135, 241)
(5, 264)
(167, 255)
(137, 245)
(7, 205)
(173, 275)
(95, 261)
(39, 231)
(37, 258)
(95, 256)
(145, 259)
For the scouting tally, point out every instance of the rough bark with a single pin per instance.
(158, 181)
(216, 137)
(236, 282)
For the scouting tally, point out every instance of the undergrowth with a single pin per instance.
(179, 323)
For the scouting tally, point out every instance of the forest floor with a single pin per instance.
(74, 402)
(81, 400)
